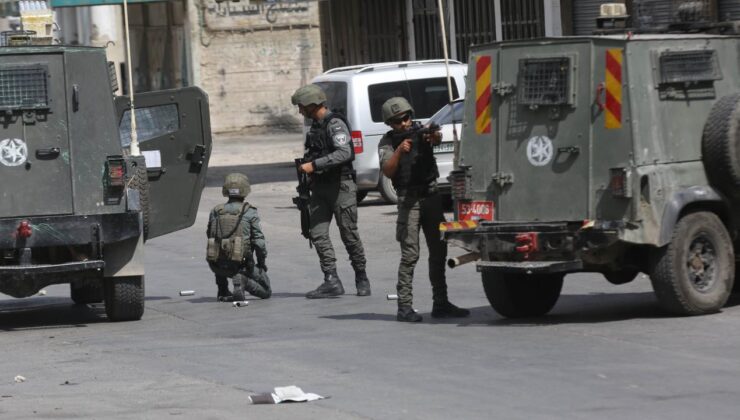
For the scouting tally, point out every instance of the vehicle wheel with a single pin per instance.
(386, 190)
(140, 182)
(239, 283)
(88, 293)
(621, 276)
(694, 273)
(522, 295)
(124, 298)
(720, 144)
(361, 196)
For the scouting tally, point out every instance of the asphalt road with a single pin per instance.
(605, 352)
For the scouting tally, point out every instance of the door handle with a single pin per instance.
(50, 153)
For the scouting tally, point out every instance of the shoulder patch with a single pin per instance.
(340, 138)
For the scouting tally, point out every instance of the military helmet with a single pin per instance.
(394, 107)
(308, 95)
(236, 185)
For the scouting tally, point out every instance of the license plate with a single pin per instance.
(475, 210)
(447, 147)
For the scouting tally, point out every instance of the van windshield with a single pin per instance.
(427, 96)
(336, 96)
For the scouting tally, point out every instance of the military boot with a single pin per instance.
(223, 295)
(445, 309)
(407, 314)
(331, 287)
(362, 283)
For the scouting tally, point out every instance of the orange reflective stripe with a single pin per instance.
(483, 94)
(613, 109)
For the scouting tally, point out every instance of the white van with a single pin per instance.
(358, 92)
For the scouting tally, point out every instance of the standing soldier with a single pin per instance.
(329, 154)
(409, 162)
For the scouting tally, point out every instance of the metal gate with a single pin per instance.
(522, 19)
(729, 9)
(475, 23)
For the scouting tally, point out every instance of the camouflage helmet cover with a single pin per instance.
(308, 95)
(236, 185)
(394, 107)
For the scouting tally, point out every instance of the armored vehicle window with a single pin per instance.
(151, 122)
(427, 96)
(336, 96)
(544, 81)
(24, 87)
(689, 66)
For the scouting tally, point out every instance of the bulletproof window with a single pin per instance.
(689, 66)
(426, 96)
(544, 81)
(151, 122)
(24, 87)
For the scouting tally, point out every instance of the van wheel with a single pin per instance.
(693, 274)
(124, 298)
(386, 190)
(516, 295)
(720, 144)
(140, 182)
(88, 293)
(361, 196)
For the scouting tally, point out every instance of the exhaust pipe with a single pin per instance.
(463, 259)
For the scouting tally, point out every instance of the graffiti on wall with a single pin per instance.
(254, 14)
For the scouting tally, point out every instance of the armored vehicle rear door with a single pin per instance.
(174, 134)
(543, 146)
(35, 164)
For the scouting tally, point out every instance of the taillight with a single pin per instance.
(357, 141)
(24, 229)
(460, 184)
(116, 172)
(619, 182)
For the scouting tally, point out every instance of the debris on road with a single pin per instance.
(290, 393)
(187, 292)
(240, 303)
(392, 297)
(19, 379)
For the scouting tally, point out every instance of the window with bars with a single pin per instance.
(689, 66)
(544, 81)
(24, 88)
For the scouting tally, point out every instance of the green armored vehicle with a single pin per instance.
(76, 206)
(615, 154)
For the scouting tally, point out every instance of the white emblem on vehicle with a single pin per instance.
(340, 138)
(539, 150)
(13, 152)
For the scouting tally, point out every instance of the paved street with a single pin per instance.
(605, 352)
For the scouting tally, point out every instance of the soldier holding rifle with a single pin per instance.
(328, 162)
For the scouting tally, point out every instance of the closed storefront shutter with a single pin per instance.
(729, 9)
(585, 13)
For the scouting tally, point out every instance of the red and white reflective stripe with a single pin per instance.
(467, 224)
(357, 141)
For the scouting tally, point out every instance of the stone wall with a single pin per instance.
(250, 56)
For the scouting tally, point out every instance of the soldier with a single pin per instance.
(234, 235)
(329, 154)
(409, 162)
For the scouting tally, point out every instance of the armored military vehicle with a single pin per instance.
(76, 206)
(615, 154)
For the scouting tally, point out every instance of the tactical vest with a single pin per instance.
(226, 236)
(417, 168)
(319, 144)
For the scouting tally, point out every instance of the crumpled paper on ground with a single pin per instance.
(290, 393)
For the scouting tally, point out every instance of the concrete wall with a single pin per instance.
(250, 57)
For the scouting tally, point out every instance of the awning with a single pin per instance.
(75, 3)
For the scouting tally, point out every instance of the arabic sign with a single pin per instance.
(75, 3)
(254, 14)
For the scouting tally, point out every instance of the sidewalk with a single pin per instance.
(251, 149)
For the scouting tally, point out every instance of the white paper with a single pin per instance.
(293, 393)
(152, 158)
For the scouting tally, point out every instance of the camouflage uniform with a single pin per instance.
(253, 275)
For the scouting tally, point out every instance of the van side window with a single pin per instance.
(336, 96)
(427, 96)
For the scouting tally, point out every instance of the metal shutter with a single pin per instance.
(585, 13)
(729, 9)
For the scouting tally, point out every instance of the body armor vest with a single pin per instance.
(226, 236)
(417, 168)
(319, 144)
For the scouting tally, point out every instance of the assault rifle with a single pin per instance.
(303, 198)
(415, 134)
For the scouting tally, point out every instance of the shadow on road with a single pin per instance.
(48, 313)
(365, 316)
(258, 174)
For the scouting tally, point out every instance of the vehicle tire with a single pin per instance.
(621, 276)
(386, 190)
(140, 182)
(516, 295)
(89, 293)
(361, 196)
(239, 283)
(124, 298)
(720, 145)
(693, 274)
